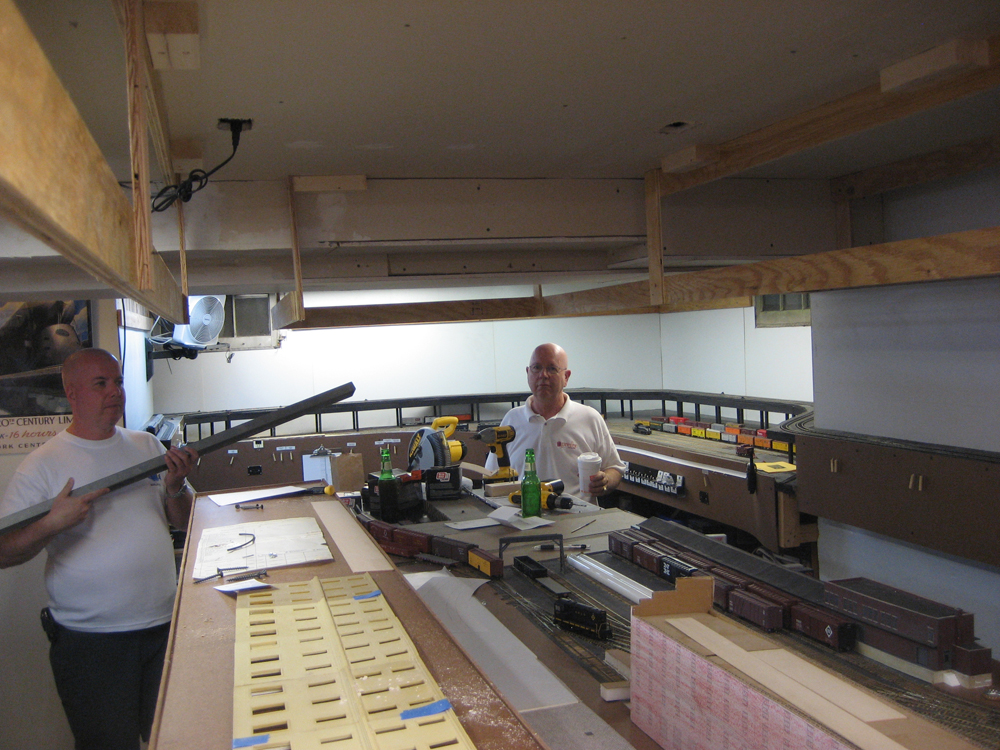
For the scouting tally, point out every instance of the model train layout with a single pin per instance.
(926, 639)
(730, 432)
(929, 640)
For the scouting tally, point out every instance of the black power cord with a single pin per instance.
(198, 178)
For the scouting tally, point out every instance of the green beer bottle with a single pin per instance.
(531, 488)
(386, 471)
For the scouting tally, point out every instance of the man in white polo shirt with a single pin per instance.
(560, 429)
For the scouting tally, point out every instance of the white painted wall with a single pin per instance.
(407, 361)
(918, 362)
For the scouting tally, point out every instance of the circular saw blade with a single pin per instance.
(427, 449)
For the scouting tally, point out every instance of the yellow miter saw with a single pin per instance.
(437, 458)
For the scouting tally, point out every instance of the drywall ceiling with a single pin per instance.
(417, 88)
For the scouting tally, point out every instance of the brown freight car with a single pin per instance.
(761, 612)
(824, 626)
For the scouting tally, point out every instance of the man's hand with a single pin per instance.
(21, 545)
(180, 461)
(604, 482)
(68, 511)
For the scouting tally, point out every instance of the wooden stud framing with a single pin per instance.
(172, 35)
(135, 73)
(947, 58)
(960, 255)
(699, 155)
(939, 165)
(155, 106)
(291, 308)
(855, 113)
(654, 236)
(54, 181)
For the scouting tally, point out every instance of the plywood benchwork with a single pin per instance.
(226, 678)
(703, 681)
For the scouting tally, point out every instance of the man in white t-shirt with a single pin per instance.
(560, 429)
(110, 570)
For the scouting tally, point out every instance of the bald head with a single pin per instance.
(551, 354)
(81, 360)
(548, 373)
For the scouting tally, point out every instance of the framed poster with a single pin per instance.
(35, 339)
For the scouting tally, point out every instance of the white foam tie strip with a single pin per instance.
(615, 581)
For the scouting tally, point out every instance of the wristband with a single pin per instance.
(181, 491)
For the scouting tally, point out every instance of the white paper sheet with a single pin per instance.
(235, 588)
(475, 523)
(260, 545)
(247, 496)
(512, 517)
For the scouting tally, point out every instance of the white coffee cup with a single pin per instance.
(588, 465)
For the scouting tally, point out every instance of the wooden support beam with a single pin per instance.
(54, 181)
(952, 56)
(855, 113)
(185, 290)
(288, 312)
(692, 157)
(970, 254)
(156, 109)
(654, 236)
(291, 308)
(620, 299)
(135, 75)
(962, 255)
(459, 311)
(948, 162)
(172, 35)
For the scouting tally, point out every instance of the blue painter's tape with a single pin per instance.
(437, 707)
(372, 595)
(256, 739)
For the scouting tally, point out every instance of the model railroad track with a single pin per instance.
(537, 603)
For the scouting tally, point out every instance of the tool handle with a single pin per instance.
(446, 424)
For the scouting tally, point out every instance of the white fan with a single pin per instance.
(207, 315)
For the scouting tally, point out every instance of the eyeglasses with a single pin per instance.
(551, 370)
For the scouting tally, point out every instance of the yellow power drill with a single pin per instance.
(552, 496)
(497, 438)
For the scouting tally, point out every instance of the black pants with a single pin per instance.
(108, 683)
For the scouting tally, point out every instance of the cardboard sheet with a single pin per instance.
(353, 541)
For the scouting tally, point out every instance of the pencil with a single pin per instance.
(584, 526)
